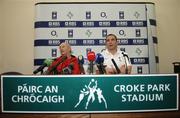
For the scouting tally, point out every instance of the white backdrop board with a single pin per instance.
(85, 26)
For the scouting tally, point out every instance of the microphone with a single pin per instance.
(91, 57)
(81, 62)
(115, 65)
(68, 70)
(54, 67)
(100, 61)
(46, 62)
(126, 68)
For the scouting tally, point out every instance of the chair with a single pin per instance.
(11, 73)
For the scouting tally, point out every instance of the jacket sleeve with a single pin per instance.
(76, 69)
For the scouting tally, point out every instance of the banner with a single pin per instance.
(89, 94)
(85, 25)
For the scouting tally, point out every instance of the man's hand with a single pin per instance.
(123, 69)
(110, 71)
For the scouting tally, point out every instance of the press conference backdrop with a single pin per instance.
(85, 25)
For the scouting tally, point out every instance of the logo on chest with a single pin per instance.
(120, 59)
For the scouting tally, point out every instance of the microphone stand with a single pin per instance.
(126, 68)
(101, 68)
(42, 72)
(91, 68)
(81, 68)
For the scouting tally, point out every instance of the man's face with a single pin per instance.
(64, 49)
(111, 43)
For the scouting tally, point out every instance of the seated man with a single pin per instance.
(66, 63)
(113, 56)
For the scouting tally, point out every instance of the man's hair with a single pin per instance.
(112, 35)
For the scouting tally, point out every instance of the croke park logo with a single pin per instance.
(89, 93)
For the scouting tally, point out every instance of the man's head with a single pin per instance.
(65, 49)
(111, 42)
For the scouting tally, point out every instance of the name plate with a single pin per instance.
(89, 93)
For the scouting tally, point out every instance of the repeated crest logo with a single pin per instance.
(88, 33)
(139, 69)
(88, 15)
(70, 33)
(137, 15)
(54, 33)
(138, 33)
(54, 52)
(89, 93)
(104, 32)
(138, 51)
(122, 32)
(54, 15)
(103, 15)
(70, 15)
(121, 14)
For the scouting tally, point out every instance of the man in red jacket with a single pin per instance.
(66, 63)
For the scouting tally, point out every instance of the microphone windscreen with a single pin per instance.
(81, 59)
(91, 56)
(48, 62)
(99, 58)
